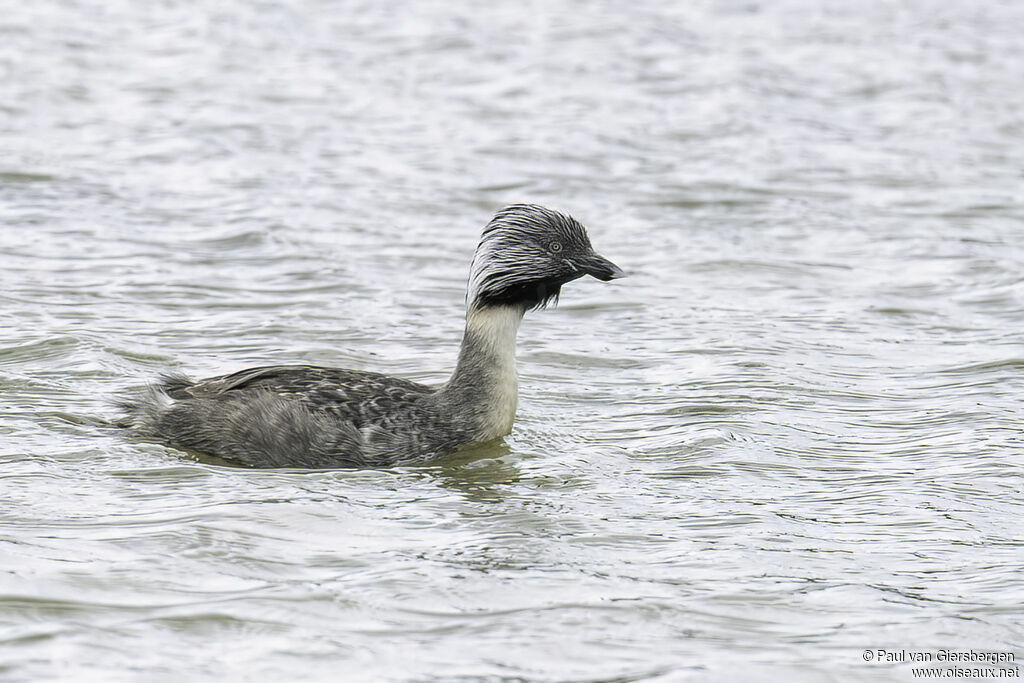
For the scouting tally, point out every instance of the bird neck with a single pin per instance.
(485, 382)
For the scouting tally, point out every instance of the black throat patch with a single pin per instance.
(530, 293)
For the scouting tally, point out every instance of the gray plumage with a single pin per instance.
(316, 417)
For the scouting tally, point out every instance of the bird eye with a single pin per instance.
(555, 247)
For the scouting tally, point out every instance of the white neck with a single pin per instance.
(485, 377)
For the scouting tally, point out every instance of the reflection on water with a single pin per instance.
(789, 436)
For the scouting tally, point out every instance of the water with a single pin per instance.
(792, 435)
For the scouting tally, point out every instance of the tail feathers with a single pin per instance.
(142, 411)
(175, 384)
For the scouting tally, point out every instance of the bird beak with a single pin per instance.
(601, 268)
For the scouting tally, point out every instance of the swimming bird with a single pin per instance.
(319, 417)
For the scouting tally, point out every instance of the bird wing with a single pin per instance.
(292, 379)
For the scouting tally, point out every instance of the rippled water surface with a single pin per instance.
(792, 435)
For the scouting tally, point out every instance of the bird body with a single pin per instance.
(317, 417)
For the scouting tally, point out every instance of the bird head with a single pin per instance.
(526, 254)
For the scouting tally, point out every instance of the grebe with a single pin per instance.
(316, 417)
